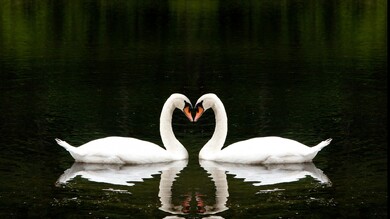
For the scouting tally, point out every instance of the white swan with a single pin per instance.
(255, 150)
(125, 150)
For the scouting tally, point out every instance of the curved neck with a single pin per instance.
(215, 144)
(168, 138)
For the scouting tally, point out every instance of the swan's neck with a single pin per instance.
(215, 144)
(173, 146)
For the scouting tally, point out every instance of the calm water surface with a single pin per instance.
(305, 70)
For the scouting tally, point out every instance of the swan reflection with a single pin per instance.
(116, 174)
(270, 174)
(165, 194)
(127, 175)
(168, 176)
(218, 176)
(257, 175)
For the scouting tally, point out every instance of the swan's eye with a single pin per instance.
(186, 104)
(198, 106)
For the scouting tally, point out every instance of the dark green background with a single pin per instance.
(301, 69)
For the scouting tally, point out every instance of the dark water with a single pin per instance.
(81, 70)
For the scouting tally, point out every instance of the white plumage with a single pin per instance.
(126, 150)
(264, 150)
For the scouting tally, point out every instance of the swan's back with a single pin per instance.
(267, 150)
(120, 150)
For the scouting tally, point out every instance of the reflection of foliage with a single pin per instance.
(44, 28)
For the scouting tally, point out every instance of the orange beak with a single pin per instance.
(199, 113)
(187, 112)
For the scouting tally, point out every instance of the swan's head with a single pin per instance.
(183, 103)
(204, 103)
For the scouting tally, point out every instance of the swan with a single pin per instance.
(259, 150)
(126, 150)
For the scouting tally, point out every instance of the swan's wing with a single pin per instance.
(122, 150)
(264, 150)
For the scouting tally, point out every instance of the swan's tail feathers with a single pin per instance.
(64, 144)
(322, 144)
